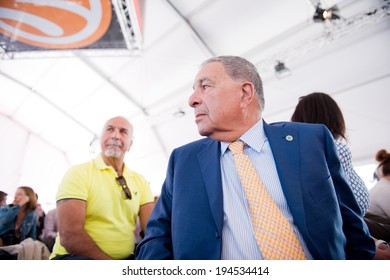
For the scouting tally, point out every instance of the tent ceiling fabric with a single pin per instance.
(52, 108)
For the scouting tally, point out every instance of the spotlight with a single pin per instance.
(321, 15)
(281, 71)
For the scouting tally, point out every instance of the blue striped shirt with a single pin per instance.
(238, 241)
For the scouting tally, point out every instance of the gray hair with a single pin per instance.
(240, 68)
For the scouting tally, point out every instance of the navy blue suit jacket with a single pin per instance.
(188, 217)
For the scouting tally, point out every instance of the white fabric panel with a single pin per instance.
(13, 140)
(27, 160)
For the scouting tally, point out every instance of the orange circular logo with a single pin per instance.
(54, 24)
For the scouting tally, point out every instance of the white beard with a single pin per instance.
(112, 153)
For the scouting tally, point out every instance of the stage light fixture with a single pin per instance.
(321, 15)
(281, 71)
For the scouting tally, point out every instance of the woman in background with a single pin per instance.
(378, 215)
(321, 108)
(18, 220)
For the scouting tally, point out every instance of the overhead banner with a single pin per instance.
(28, 25)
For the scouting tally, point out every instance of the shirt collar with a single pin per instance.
(254, 137)
(100, 164)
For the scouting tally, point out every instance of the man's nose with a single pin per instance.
(115, 134)
(194, 100)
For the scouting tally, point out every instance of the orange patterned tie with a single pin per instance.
(274, 234)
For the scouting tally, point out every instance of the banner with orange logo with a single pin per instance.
(27, 25)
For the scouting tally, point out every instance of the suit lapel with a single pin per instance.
(209, 161)
(284, 144)
(285, 148)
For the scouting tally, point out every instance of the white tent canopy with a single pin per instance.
(52, 108)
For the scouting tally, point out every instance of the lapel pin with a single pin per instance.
(289, 138)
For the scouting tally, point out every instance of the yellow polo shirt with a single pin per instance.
(110, 220)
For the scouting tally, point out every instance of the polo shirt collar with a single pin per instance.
(100, 164)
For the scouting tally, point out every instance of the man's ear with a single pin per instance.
(247, 93)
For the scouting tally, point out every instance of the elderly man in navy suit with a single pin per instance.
(203, 212)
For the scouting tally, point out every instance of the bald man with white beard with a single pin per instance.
(98, 202)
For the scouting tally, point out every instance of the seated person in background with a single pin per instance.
(18, 220)
(41, 218)
(3, 198)
(3, 202)
(98, 201)
(321, 108)
(50, 229)
(378, 215)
